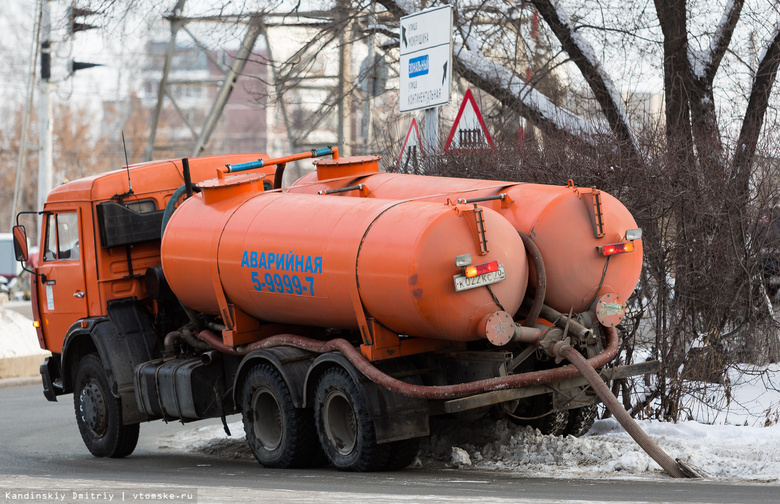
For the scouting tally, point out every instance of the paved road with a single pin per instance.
(23, 307)
(42, 454)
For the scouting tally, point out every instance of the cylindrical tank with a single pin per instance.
(314, 260)
(555, 217)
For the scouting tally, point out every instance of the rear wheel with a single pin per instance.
(581, 420)
(279, 434)
(539, 414)
(553, 424)
(99, 413)
(344, 425)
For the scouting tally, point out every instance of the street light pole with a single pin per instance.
(45, 158)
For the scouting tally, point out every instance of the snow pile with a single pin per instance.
(211, 440)
(716, 451)
(731, 452)
(17, 335)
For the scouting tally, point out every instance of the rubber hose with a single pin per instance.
(171, 206)
(418, 391)
(541, 280)
(610, 401)
(279, 175)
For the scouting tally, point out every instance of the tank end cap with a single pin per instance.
(498, 327)
(610, 310)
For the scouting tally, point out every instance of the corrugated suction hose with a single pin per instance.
(675, 468)
(580, 365)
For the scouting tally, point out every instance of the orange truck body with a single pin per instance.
(336, 315)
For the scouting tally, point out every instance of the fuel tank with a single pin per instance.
(318, 259)
(567, 223)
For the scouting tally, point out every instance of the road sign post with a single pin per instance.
(426, 66)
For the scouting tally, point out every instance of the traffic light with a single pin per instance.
(76, 23)
(74, 65)
(75, 15)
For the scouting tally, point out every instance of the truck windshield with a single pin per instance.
(62, 237)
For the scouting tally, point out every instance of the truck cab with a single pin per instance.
(100, 235)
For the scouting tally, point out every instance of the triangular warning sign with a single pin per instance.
(469, 130)
(410, 160)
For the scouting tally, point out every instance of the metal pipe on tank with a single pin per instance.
(169, 341)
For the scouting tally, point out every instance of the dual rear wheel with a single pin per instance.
(574, 422)
(279, 434)
(340, 430)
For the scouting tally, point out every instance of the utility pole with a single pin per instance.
(28, 104)
(368, 116)
(345, 97)
(176, 24)
(45, 159)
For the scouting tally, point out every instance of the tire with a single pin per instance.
(279, 434)
(402, 453)
(344, 425)
(99, 413)
(581, 420)
(553, 423)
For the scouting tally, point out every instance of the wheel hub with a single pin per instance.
(267, 420)
(340, 422)
(92, 406)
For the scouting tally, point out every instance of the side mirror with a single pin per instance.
(20, 243)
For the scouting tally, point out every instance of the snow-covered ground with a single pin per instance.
(715, 451)
(736, 440)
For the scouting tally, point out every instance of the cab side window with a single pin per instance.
(62, 237)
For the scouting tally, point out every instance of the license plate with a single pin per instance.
(462, 283)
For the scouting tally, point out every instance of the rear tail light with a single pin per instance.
(616, 248)
(480, 269)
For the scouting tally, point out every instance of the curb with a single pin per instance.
(24, 366)
(20, 381)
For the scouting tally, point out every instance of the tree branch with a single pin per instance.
(505, 85)
(757, 104)
(722, 38)
(672, 16)
(582, 54)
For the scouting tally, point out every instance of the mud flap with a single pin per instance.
(396, 417)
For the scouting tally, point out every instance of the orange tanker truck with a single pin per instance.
(337, 315)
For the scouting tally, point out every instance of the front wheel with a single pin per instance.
(344, 425)
(99, 413)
